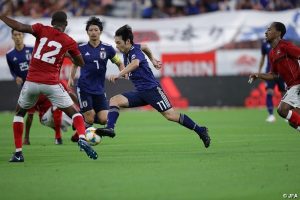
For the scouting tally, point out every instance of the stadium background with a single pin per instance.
(205, 46)
(208, 48)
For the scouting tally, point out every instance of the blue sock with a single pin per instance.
(269, 103)
(187, 122)
(112, 117)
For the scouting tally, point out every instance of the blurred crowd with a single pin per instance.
(138, 8)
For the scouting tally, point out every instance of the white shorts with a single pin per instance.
(292, 96)
(57, 94)
(47, 120)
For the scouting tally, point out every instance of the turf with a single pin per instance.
(153, 159)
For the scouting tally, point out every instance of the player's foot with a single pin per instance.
(75, 137)
(58, 141)
(83, 144)
(271, 119)
(205, 137)
(17, 157)
(106, 132)
(26, 141)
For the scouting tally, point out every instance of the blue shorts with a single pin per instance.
(154, 97)
(89, 101)
(279, 82)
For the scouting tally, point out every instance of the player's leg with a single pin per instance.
(52, 119)
(101, 108)
(86, 107)
(269, 101)
(57, 119)
(158, 100)
(113, 114)
(286, 108)
(28, 124)
(27, 99)
(61, 99)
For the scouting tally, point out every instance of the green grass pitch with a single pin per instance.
(153, 159)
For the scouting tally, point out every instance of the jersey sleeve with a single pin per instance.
(37, 29)
(11, 67)
(73, 49)
(292, 51)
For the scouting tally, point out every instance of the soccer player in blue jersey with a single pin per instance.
(18, 60)
(270, 85)
(148, 90)
(90, 85)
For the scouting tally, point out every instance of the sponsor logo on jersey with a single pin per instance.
(87, 54)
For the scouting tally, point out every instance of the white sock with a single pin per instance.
(289, 115)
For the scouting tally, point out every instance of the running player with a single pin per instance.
(148, 90)
(284, 58)
(51, 46)
(18, 60)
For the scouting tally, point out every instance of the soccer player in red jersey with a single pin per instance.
(284, 58)
(50, 48)
(53, 117)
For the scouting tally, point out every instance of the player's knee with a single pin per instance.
(282, 112)
(102, 121)
(89, 119)
(270, 91)
(114, 101)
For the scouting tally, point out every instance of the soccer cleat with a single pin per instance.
(205, 137)
(106, 132)
(271, 119)
(17, 157)
(58, 141)
(75, 137)
(83, 144)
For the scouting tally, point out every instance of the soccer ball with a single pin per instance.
(91, 137)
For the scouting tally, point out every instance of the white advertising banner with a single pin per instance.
(237, 62)
(186, 35)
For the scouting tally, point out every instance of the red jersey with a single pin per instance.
(284, 62)
(50, 47)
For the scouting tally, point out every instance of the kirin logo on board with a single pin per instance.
(189, 64)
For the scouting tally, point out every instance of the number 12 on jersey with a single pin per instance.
(48, 57)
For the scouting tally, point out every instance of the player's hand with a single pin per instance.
(156, 63)
(252, 77)
(113, 78)
(70, 83)
(19, 80)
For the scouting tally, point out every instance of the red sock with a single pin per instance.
(294, 118)
(79, 124)
(18, 126)
(57, 117)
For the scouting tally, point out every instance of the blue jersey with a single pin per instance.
(142, 77)
(18, 62)
(92, 74)
(265, 49)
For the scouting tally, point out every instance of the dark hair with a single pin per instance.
(125, 32)
(94, 21)
(280, 27)
(59, 18)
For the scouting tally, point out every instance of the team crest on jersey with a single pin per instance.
(28, 55)
(278, 52)
(102, 54)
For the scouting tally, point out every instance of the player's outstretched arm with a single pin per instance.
(263, 76)
(25, 28)
(78, 60)
(156, 63)
(72, 76)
